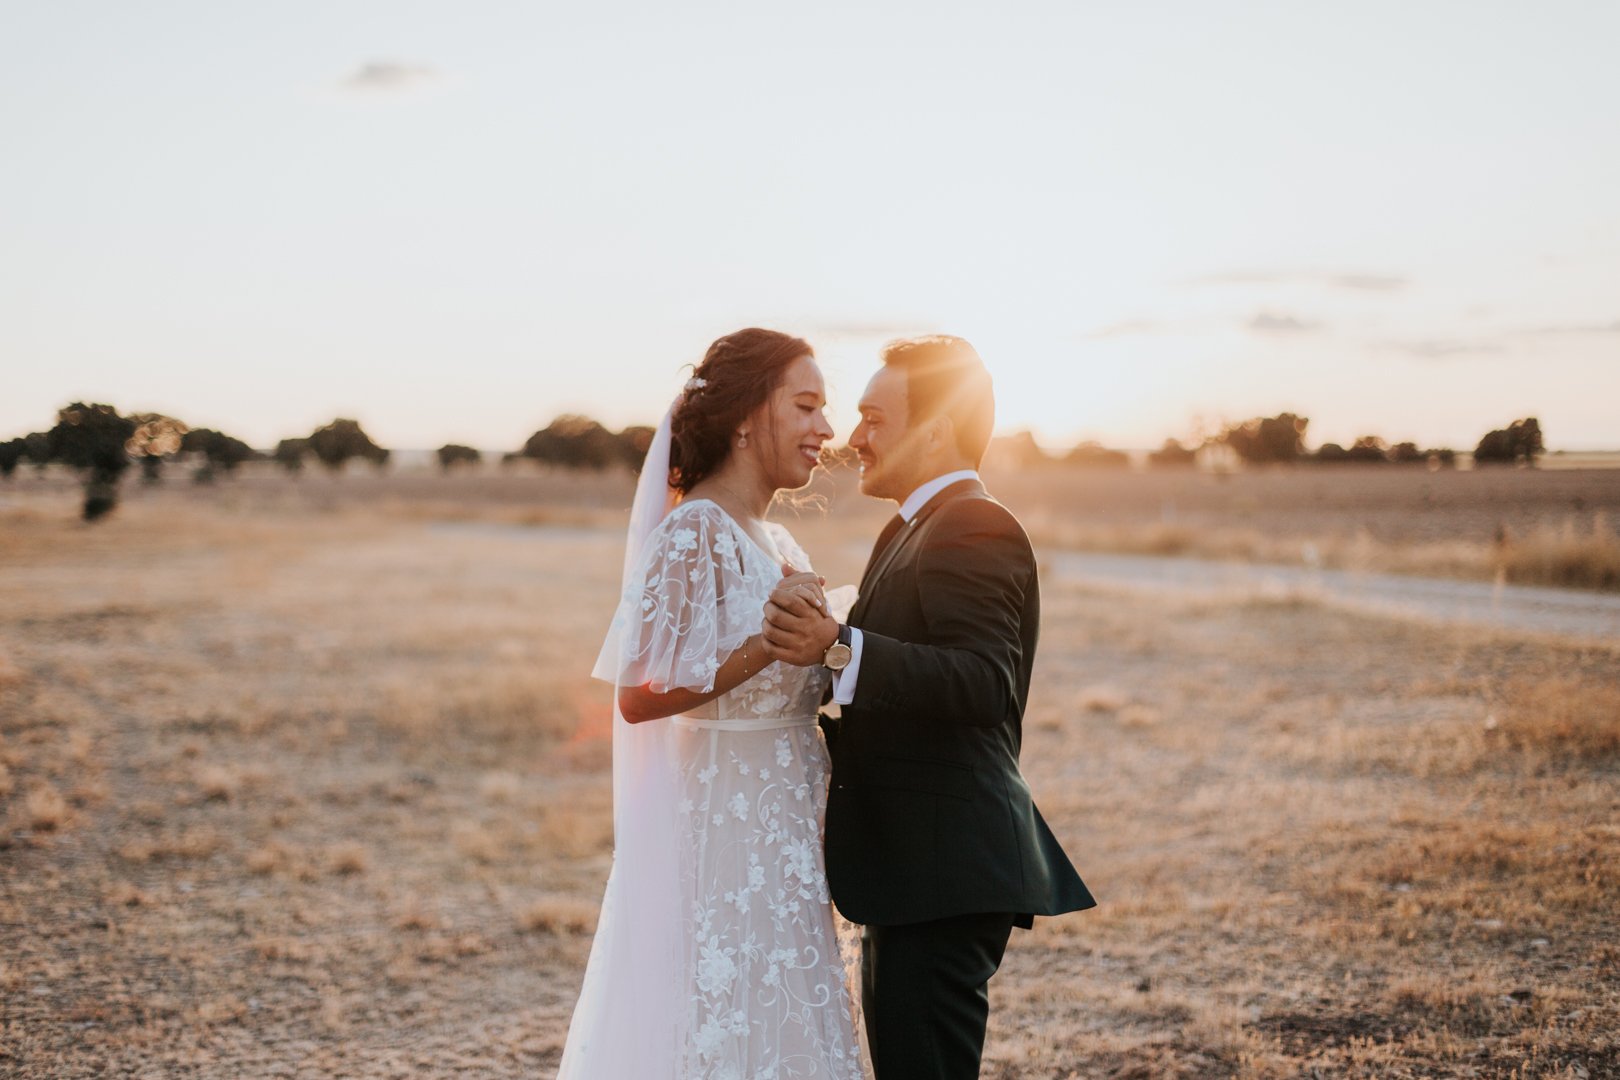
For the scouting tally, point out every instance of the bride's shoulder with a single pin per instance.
(693, 512)
(690, 524)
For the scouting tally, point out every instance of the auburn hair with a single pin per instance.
(736, 376)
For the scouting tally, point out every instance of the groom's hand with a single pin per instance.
(798, 627)
(806, 582)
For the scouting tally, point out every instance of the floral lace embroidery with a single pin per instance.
(769, 997)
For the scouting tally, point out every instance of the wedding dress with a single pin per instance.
(716, 956)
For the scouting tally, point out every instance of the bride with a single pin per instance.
(715, 954)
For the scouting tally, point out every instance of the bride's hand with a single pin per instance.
(807, 584)
(798, 628)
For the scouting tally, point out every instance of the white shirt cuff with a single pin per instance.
(844, 681)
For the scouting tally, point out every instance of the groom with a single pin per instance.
(933, 842)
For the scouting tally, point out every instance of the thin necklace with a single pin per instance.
(741, 502)
(725, 488)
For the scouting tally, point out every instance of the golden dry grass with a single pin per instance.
(1570, 555)
(1567, 554)
(1525, 526)
(331, 797)
(1563, 719)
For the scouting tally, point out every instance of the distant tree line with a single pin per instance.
(101, 444)
(1278, 440)
(1281, 439)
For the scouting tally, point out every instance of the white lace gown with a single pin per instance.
(764, 992)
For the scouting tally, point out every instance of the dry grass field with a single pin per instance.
(308, 780)
(1535, 527)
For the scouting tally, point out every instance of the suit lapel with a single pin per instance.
(885, 538)
(884, 560)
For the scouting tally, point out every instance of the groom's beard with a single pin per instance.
(877, 482)
(882, 483)
(889, 478)
(876, 489)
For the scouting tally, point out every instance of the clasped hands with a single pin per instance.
(799, 627)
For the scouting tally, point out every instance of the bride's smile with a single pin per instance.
(796, 417)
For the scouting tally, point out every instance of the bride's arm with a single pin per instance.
(639, 703)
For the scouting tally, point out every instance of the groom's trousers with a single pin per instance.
(925, 994)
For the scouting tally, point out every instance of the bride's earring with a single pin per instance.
(742, 441)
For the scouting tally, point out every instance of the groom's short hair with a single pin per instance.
(945, 377)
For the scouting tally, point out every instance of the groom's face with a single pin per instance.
(884, 439)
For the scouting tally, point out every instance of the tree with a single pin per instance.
(1519, 441)
(1279, 438)
(1369, 449)
(1018, 451)
(1331, 453)
(451, 454)
(1094, 455)
(341, 440)
(1172, 454)
(220, 452)
(577, 442)
(37, 448)
(11, 452)
(92, 439)
(290, 454)
(157, 438)
(634, 442)
(1407, 453)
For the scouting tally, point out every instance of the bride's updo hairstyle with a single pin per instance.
(737, 376)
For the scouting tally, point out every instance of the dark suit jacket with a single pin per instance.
(928, 816)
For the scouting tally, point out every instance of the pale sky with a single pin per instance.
(455, 220)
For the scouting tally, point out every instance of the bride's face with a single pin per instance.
(792, 426)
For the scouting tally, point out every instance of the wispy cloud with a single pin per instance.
(1436, 349)
(1271, 322)
(1334, 279)
(388, 76)
(1577, 328)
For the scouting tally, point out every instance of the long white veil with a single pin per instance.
(629, 1022)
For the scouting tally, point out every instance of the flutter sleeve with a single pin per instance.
(671, 631)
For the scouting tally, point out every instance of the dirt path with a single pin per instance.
(1568, 613)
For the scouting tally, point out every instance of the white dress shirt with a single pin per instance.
(844, 681)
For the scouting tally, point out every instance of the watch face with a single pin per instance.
(837, 656)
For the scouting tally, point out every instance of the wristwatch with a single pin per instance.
(838, 654)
